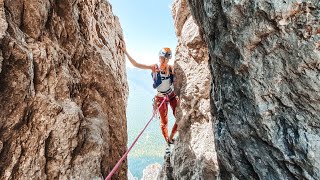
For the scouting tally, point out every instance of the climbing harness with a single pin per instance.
(134, 142)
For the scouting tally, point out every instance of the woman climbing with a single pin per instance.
(162, 74)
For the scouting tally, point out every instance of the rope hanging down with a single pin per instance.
(134, 142)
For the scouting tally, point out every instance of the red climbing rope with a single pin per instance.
(134, 142)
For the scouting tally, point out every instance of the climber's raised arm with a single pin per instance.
(134, 62)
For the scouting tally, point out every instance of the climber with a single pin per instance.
(162, 74)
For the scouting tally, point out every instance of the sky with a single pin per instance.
(147, 27)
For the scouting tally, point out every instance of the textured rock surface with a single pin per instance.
(194, 155)
(265, 63)
(166, 172)
(151, 172)
(63, 90)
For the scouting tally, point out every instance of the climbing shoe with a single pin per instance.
(168, 150)
(171, 142)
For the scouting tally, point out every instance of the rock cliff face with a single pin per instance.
(63, 90)
(265, 63)
(194, 155)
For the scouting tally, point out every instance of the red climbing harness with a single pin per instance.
(134, 142)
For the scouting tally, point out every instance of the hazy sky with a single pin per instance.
(147, 27)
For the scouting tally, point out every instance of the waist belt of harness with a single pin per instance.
(166, 92)
(170, 95)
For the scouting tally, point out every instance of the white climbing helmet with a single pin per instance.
(166, 53)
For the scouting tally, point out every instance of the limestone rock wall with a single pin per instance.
(63, 90)
(265, 61)
(194, 155)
